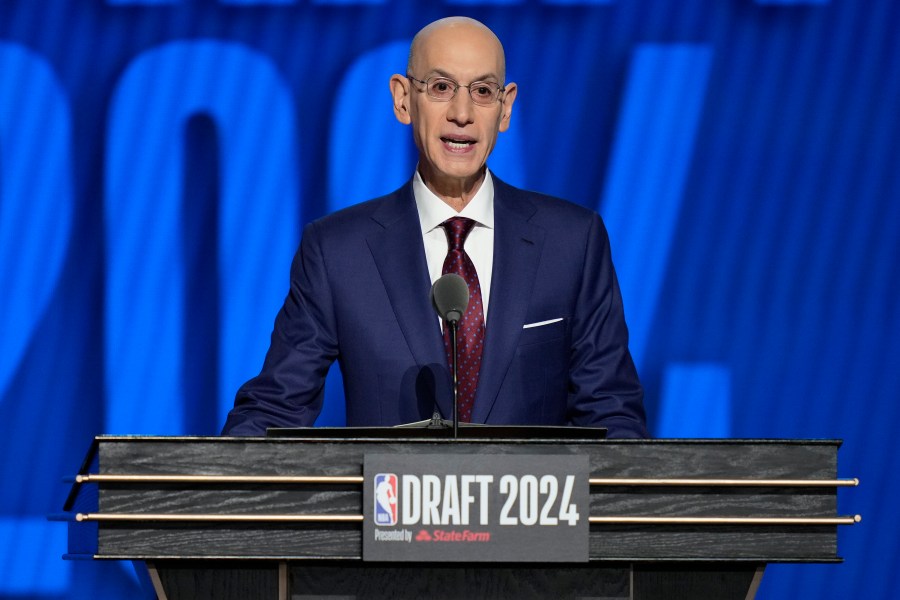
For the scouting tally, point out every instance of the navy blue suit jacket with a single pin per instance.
(360, 294)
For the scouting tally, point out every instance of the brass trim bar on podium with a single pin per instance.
(281, 518)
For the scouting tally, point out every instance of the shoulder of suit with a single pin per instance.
(546, 206)
(361, 214)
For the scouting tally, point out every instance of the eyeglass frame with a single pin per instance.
(500, 89)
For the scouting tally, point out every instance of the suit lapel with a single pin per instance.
(517, 252)
(399, 255)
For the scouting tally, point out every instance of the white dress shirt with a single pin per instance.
(479, 245)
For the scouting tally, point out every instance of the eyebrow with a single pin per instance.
(442, 73)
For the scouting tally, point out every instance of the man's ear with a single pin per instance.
(509, 96)
(400, 92)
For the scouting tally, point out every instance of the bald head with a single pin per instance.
(456, 30)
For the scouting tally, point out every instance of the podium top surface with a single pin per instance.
(346, 434)
(466, 432)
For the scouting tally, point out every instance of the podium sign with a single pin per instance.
(475, 507)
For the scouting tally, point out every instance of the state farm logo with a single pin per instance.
(385, 499)
(442, 535)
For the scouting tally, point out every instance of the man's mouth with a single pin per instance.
(458, 143)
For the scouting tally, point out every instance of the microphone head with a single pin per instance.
(450, 297)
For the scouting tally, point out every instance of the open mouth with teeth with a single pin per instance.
(458, 144)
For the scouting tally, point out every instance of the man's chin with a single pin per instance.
(463, 170)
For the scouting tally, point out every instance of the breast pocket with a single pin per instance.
(542, 362)
(538, 333)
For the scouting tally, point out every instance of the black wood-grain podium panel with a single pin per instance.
(715, 554)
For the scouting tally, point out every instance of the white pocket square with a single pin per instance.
(540, 323)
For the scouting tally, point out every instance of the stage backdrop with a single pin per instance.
(158, 159)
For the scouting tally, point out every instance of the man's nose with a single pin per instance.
(461, 109)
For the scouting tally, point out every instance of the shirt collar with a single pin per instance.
(433, 211)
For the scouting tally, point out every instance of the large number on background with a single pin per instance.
(258, 224)
(652, 152)
(36, 204)
(35, 197)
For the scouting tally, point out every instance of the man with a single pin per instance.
(544, 339)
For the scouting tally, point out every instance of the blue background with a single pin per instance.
(159, 158)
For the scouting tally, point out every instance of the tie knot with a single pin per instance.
(458, 229)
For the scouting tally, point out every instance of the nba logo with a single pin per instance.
(385, 499)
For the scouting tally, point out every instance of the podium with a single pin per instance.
(282, 518)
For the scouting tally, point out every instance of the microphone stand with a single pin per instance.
(453, 328)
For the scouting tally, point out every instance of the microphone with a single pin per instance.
(450, 297)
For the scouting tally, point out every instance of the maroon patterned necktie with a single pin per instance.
(470, 334)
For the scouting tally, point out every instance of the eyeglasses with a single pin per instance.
(444, 89)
